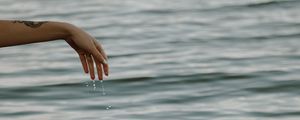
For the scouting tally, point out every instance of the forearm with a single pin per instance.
(25, 32)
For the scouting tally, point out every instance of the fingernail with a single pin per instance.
(104, 61)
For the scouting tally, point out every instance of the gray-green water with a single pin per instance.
(170, 60)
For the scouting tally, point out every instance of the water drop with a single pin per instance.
(86, 84)
(109, 107)
(94, 85)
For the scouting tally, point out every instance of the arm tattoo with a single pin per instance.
(31, 24)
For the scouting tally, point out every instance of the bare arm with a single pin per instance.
(25, 32)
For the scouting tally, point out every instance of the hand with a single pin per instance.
(90, 52)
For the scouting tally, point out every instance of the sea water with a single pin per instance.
(169, 60)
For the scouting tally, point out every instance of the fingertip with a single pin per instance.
(100, 77)
(93, 77)
(84, 63)
(106, 69)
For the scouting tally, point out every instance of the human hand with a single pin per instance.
(90, 52)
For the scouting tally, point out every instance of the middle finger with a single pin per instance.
(91, 66)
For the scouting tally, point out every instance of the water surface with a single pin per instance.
(170, 59)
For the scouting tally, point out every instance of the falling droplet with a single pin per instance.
(102, 87)
(94, 85)
(86, 84)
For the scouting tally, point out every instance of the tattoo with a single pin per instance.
(31, 24)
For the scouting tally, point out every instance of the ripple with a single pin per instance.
(271, 3)
(23, 113)
(275, 114)
(288, 86)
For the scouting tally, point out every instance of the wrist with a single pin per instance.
(62, 29)
(69, 29)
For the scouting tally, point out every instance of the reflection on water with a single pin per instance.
(170, 59)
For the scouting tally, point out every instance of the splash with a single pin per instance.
(109, 107)
(96, 87)
(93, 85)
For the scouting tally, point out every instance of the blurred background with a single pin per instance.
(169, 59)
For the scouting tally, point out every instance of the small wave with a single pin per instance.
(186, 79)
(268, 3)
(256, 57)
(132, 79)
(197, 78)
(135, 54)
(161, 11)
(23, 113)
(157, 11)
(44, 92)
(39, 72)
(291, 35)
(275, 114)
(149, 11)
(259, 38)
(231, 8)
(86, 107)
(188, 98)
(207, 77)
(277, 87)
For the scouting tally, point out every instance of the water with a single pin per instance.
(170, 60)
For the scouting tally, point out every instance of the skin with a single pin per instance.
(91, 53)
